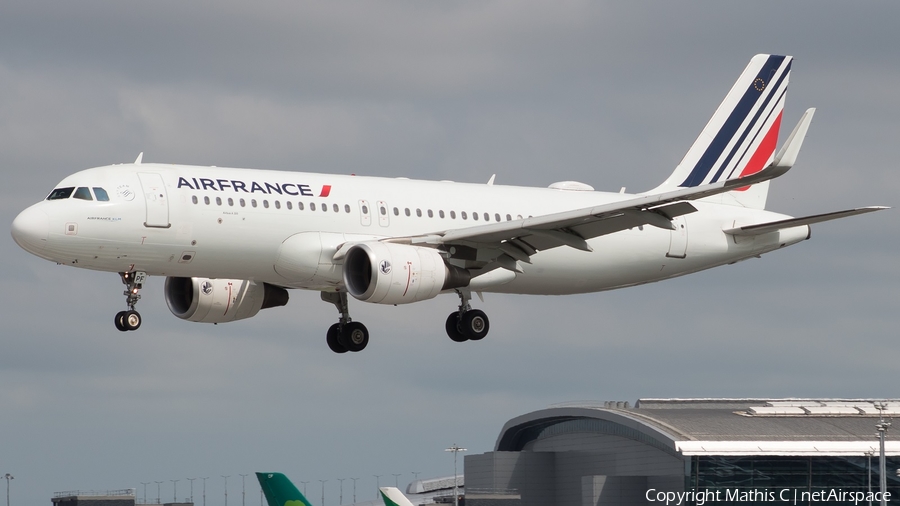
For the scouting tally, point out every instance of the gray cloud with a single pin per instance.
(610, 94)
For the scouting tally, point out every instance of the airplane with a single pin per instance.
(392, 496)
(280, 491)
(231, 242)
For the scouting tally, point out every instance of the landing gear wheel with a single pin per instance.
(131, 320)
(120, 321)
(474, 324)
(354, 336)
(332, 339)
(452, 327)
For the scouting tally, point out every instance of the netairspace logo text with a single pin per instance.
(785, 495)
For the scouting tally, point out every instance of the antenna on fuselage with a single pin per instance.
(491, 180)
(137, 161)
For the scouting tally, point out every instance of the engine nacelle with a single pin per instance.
(388, 273)
(220, 300)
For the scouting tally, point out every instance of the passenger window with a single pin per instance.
(218, 201)
(60, 193)
(518, 216)
(194, 199)
(206, 200)
(252, 202)
(101, 194)
(83, 194)
(277, 204)
(396, 212)
(265, 203)
(474, 216)
(289, 205)
(324, 208)
(243, 203)
(452, 215)
(508, 218)
(230, 202)
(335, 208)
(463, 215)
(365, 209)
(312, 206)
(299, 206)
(406, 211)
(383, 211)
(441, 213)
(347, 208)
(497, 217)
(419, 213)
(430, 214)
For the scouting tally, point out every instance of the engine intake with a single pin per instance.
(388, 273)
(220, 300)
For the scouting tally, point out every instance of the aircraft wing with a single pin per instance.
(517, 240)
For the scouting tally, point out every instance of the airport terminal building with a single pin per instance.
(718, 451)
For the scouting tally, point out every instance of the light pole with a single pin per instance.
(145, 490)
(882, 427)
(243, 490)
(455, 449)
(416, 475)
(323, 492)
(377, 484)
(869, 467)
(354, 490)
(158, 483)
(174, 490)
(341, 494)
(192, 488)
(396, 480)
(204, 489)
(304, 488)
(226, 488)
(8, 477)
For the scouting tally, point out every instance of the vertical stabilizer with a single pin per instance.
(392, 496)
(280, 491)
(741, 136)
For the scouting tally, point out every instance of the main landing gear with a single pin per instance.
(345, 335)
(467, 323)
(130, 319)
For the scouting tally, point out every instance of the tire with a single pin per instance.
(474, 324)
(119, 320)
(452, 328)
(332, 339)
(355, 336)
(131, 320)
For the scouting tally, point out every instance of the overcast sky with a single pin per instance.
(608, 94)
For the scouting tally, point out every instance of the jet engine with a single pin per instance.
(388, 273)
(220, 300)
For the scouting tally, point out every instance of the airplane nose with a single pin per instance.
(31, 228)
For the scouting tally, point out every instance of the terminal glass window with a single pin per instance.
(755, 476)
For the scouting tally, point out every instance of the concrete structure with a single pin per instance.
(124, 497)
(609, 453)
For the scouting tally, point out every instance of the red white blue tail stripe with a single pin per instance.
(741, 137)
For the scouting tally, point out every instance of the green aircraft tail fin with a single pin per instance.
(392, 496)
(280, 491)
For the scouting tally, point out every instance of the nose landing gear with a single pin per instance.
(130, 319)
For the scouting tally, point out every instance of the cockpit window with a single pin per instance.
(60, 193)
(83, 194)
(101, 194)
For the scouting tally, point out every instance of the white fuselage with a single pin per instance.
(185, 221)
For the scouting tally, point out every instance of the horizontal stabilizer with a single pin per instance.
(764, 228)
